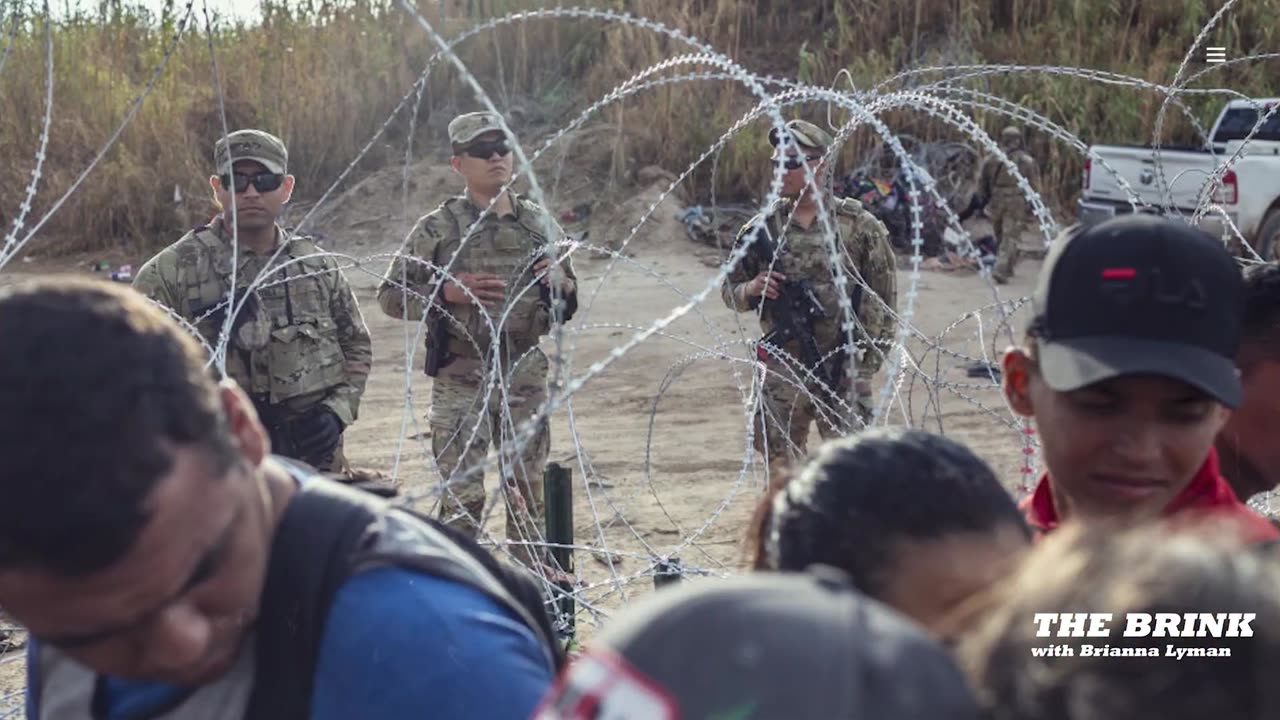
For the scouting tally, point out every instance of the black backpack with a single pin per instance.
(329, 530)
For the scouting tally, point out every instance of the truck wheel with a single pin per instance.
(1269, 237)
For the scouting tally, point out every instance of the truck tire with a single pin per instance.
(1268, 242)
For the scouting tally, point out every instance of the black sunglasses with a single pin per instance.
(485, 150)
(793, 162)
(262, 182)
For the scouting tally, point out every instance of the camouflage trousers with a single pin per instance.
(787, 409)
(464, 427)
(1009, 223)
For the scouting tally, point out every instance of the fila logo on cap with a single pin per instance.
(1127, 286)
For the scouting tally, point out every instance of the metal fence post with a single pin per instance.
(557, 491)
(667, 572)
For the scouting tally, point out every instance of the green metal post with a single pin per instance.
(668, 572)
(558, 494)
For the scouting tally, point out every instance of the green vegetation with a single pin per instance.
(326, 76)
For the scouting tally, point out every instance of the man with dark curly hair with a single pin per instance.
(1247, 446)
(157, 554)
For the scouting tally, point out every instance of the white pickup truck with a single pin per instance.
(1249, 191)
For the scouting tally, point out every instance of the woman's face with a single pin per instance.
(929, 579)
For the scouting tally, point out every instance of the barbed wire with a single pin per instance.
(914, 360)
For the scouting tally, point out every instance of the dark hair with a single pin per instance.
(1123, 571)
(97, 386)
(863, 493)
(1260, 331)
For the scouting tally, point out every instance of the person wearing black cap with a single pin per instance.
(1129, 373)
(762, 647)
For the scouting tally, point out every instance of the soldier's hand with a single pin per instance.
(486, 287)
(766, 284)
(316, 436)
(540, 271)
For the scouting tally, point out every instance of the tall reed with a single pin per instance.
(325, 74)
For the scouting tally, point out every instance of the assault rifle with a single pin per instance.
(437, 341)
(792, 314)
(215, 313)
(563, 312)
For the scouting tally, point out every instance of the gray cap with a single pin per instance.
(250, 144)
(465, 128)
(806, 134)
(802, 646)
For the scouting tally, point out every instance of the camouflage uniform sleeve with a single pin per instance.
(986, 174)
(878, 266)
(1031, 170)
(407, 283)
(733, 289)
(357, 348)
(560, 246)
(153, 280)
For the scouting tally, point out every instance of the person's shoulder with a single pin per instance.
(394, 596)
(535, 218)
(397, 641)
(198, 238)
(182, 254)
(411, 617)
(850, 208)
(309, 248)
(304, 243)
(442, 220)
(527, 203)
(860, 221)
(771, 212)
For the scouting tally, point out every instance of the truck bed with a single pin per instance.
(1185, 173)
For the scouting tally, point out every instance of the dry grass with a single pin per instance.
(325, 76)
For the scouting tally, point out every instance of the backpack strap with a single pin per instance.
(310, 559)
(329, 533)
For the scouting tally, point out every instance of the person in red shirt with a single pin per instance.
(1129, 372)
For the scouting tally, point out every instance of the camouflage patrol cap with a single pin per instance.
(1011, 132)
(466, 128)
(249, 144)
(806, 134)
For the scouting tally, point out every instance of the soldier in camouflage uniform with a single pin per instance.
(299, 345)
(1008, 207)
(791, 400)
(508, 263)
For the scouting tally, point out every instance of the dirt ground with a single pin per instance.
(647, 484)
